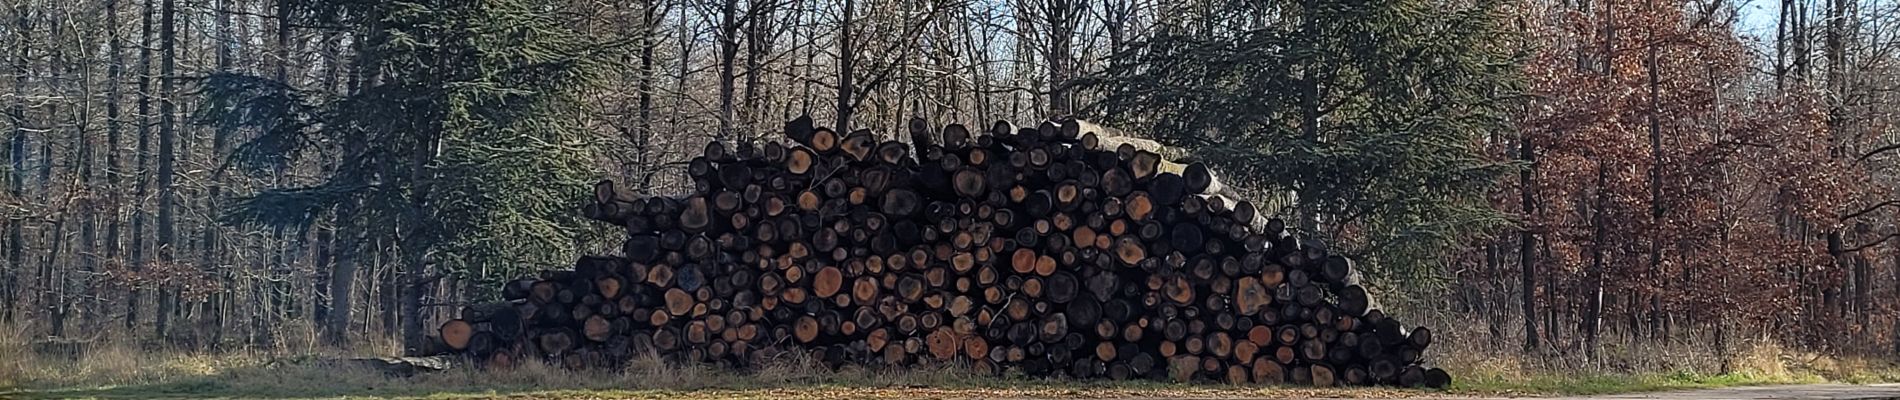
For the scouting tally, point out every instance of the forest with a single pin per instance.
(1550, 177)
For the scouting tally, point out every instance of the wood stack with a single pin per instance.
(1061, 249)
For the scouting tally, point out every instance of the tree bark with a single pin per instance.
(760, 33)
(649, 43)
(847, 64)
(167, 147)
(1309, 113)
(1593, 313)
(348, 242)
(114, 164)
(48, 297)
(16, 181)
(1526, 252)
(414, 281)
(343, 274)
(1896, 279)
(322, 267)
(728, 56)
(139, 256)
(1652, 47)
(280, 289)
(1061, 17)
(220, 301)
(65, 289)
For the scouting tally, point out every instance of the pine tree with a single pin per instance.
(456, 147)
(1373, 121)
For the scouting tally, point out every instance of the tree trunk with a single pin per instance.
(1061, 19)
(415, 285)
(1526, 252)
(728, 56)
(47, 300)
(759, 35)
(685, 67)
(979, 68)
(278, 290)
(52, 285)
(321, 267)
(414, 279)
(220, 301)
(115, 168)
(71, 289)
(649, 42)
(1593, 313)
(1309, 113)
(144, 162)
(847, 60)
(1862, 289)
(167, 146)
(347, 242)
(1655, 177)
(387, 300)
(16, 182)
(343, 274)
(1896, 281)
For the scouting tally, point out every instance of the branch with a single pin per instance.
(426, 280)
(1741, 143)
(275, 17)
(1870, 209)
(1877, 151)
(1883, 239)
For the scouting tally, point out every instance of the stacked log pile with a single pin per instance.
(1061, 249)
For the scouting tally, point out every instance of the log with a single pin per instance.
(920, 134)
(859, 145)
(456, 333)
(1437, 378)
(800, 130)
(1322, 375)
(596, 328)
(1064, 247)
(400, 367)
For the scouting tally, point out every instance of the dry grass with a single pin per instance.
(1483, 365)
(300, 378)
(101, 363)
(1495, 363)
(127, 371)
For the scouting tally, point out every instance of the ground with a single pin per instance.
(121, 370)
(1819, 391)
(1829, 391)
(235, 377)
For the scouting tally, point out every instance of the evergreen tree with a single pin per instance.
(455, 145)
(1371, 115)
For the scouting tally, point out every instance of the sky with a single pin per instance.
(1757, 19)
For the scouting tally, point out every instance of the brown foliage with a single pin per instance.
(1735, 196)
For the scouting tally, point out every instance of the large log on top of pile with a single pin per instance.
(1064, 248)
